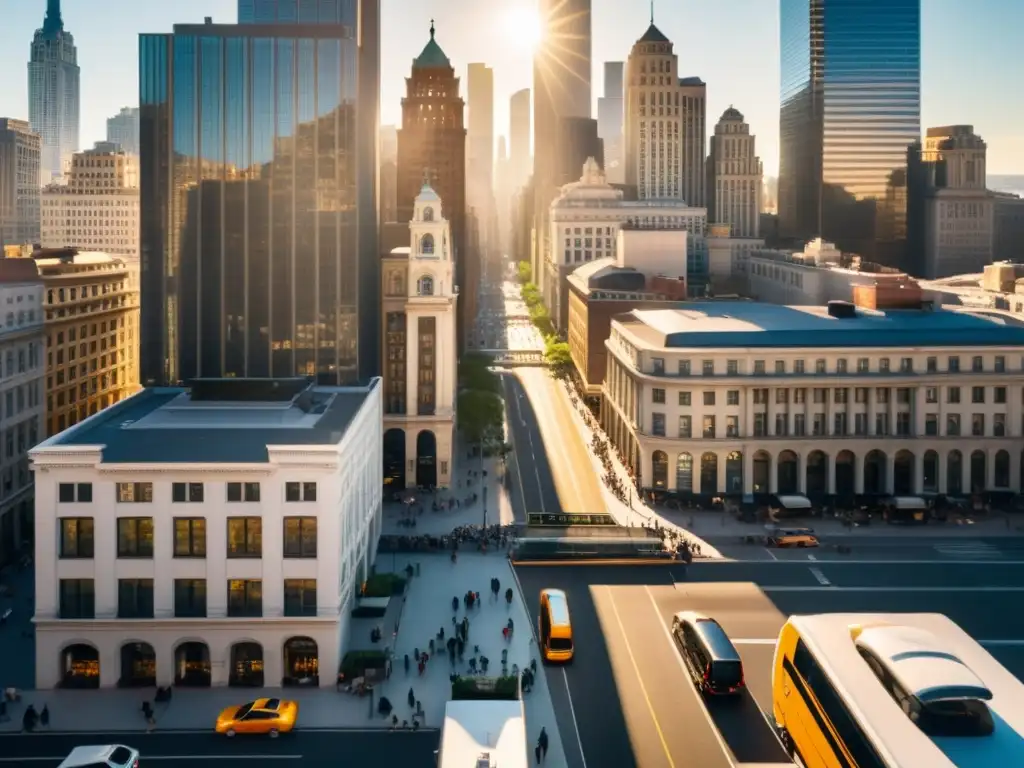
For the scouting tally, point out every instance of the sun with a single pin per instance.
(523, 23)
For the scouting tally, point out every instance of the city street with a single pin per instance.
(625, 699)
(503, 321)
(885, 548)
(359, 749)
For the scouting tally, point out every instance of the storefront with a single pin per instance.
(138, 666)
(80, 667)
(246, 665)
(192, 665)
(301, 662)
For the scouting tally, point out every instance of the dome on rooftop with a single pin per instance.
(732, 114)
(431, 57)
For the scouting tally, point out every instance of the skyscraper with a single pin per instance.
(259, 223)
(520, 166)
(19, 183)
(432, 148)
(850, 107)
(610, 114)
(735, 177)
(480, 154)
(123, 130)
(53, 93)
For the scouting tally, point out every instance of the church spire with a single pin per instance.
(53, 21)
(652, 11)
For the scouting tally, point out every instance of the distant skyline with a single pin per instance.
(732, 45)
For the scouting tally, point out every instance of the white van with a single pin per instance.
(106, 756)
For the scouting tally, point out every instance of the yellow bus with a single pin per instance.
(554, 629)
(893, 691)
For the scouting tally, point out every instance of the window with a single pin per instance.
(684, 367)
(300, 597)
(953, 395)
(657, 396)
(903, 395)
(840, 395)
(800, 395)
(952, 424)
(189, 537)
(883, 364)
(295, 491)
(841, 365)
(135, 598)
(759, 367)
(931, 394)
(684, 399)
(931, 424)
(780, 366)
(760, 422)
(860, 424)
(707, 368)
(135, 537)
(732, 367)
(77, 599)
(999, 425)
(903, 424)
(818, 425)
(76, 538)
(819, 366)
(685, 426)
(977, 364)
(953, 364)
(798, 367)
(1000, 364)
(781, 396)
(658, 366)
(932, 364)
(862, 365)
(999, 395)
(781, 424)
(799, 425)
(134, 493)
(820, 395)
(860, 394)
(760, 396)
(658, 424)
(243, 492)
(245, 537)
(190, 598)
(68, 493)
(187, 493)
(709, 398)
(881, 395)
(881, 423)
(839, 424)
(709, 426)
(300, 537)
(245, 597)
(732, 426)
(732, 397)
(978, 425)
(977, 394)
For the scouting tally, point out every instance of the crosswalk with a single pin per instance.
(969, 550)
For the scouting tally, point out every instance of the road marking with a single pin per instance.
(679, 660)
(519, 466)
(847, 561)
(640, 679)
(144, 757)
(834, 588)
(821, 577)
(772, 554)
(572, 714)
(773, 640)
(811, 557)
(974, 549)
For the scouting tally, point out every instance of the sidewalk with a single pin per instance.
(637, 512)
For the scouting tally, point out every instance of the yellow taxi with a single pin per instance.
(268, 716)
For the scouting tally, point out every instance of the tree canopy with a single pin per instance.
(480, 415)
(524, 273)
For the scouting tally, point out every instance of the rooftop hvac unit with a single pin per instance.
(484, 760)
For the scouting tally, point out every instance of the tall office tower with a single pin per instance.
(98, 208)
(502, 198)
(432, 148)
(258, 171)
(951, 227)
(388, 174)
(850, 107)
(735, 177)
(693, 108)
(480, 153)
(19, 183)
(294, 11)
(610, 114)
(520, 164)
(53, 93)
(123, 129)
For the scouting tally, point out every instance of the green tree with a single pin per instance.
(525, 274)
(475, 373)
(557, 355)
(480, 415)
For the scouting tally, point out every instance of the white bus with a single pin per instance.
(488, 733)
(901, 690)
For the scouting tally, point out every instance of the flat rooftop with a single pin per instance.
(211, 421)
(756, 325)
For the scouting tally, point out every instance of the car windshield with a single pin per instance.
(560, 644)
(272, 704)
(245, 709)
(121, 756)
(727, 673)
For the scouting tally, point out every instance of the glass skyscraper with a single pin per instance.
(259, 223)
(53, 93)
(850, 107)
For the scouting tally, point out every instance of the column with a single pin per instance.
(965, 471)
(830, 463)
(721, 471)
(1015, 471)
(890, 469)
(801, 469)
(773, 471)
(990, 468)
(919, 472)
(941, 479)
(748, 470)
(858, 474)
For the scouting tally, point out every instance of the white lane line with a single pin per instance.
(847, 561)
(770, 553)
(144, 757)
(821, 577)
(679, 660)
(811, 557)
(1010, 643)
(834, 588)
(572, 714)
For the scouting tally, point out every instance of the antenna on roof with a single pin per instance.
(652, 11)
(431, 29)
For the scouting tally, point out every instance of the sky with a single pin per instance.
(970, 56)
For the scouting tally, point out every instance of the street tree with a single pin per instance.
(480, 415)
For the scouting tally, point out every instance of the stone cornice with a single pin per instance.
(218, 622)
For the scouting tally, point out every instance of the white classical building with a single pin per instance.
(744, 397)
(98, 208)
(206, 536)
(420, 351)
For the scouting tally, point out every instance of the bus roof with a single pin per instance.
(901, 743)
(559, 607)
(476, 728)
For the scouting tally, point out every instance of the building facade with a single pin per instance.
(97, 209)
(735, 177)
(92, 333)
(611, 112)
(123, 130)
(388, 174)
(748, 398)
(185, 550)
(420, 350)
(259, 211)
(432, 140)
(19, 183)
(480, 155)
(520, 165)
(22, 344)
(53, 93)
(850, 106)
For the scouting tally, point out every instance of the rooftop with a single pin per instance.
(653, 35)
(217, 421)
(756, 325)
(431, 56)
(493, 728)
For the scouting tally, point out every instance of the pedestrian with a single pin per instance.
(407, 664)
(508, 596)
(455, 605)
(511, 626)
(461, 648)
(431, 646)
(542, 742)
(478, 603)
(44, 717)
(504, 634)
(411, 699)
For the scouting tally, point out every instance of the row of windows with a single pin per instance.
(839, 395)
(135, 536)
(135, 598)
(906, 365)
(142, 493)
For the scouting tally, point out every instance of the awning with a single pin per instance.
(908, 502)
(794, 502)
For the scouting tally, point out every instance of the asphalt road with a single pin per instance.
(353, 749)
(872, 547)
(625, 700)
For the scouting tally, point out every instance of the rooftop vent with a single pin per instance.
(484, 760)
(842, 309)
(208, 20)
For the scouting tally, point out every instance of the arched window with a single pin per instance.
(426, 286)
(395, 287)
(427, 243)
(428, 214)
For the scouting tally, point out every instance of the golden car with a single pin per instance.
(270, 716)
